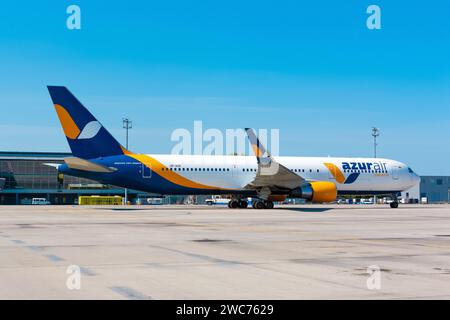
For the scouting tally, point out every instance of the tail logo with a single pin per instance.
(90, 130)
(71, 129)
(339, 176)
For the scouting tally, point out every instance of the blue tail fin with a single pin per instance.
(87, 138)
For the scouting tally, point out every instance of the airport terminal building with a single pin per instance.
(26, 175)
(436, 189)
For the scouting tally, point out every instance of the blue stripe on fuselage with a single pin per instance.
(129, 175)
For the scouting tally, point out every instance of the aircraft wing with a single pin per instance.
(270, 173)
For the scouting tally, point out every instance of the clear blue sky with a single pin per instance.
(310, 68)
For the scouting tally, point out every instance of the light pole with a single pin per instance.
(127, 125)
(375, 134)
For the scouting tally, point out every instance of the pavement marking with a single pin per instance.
(35, 248)
(54, 258)
(18, 241)
(130, 293)
(201, 256)
(87, 272)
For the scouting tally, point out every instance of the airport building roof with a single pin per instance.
(33, 155)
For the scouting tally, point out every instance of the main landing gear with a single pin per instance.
(235, 203)
(260, 204)
(257, 204)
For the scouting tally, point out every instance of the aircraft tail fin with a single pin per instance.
(86, 136)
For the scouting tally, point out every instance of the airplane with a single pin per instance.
(98, 156)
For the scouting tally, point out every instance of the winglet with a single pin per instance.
(258, 148)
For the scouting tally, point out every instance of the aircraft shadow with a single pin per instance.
(307, 209)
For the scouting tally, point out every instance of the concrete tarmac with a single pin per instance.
(199, 252)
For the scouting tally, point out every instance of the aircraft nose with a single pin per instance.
(416, 179)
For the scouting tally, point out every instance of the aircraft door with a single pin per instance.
(234, 170)
(146, 170)
(395, 172)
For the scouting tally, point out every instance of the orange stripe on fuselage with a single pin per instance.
(167, 174)
(70, 128)
(335, 171)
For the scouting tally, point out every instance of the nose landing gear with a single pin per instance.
(394, 203)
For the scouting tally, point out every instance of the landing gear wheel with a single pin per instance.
(243, 204)
(394, 204)
(233, 204)
(259, 205)
(268, 205)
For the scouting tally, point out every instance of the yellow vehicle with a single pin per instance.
(99, 200)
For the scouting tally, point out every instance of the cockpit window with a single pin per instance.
(410, 170)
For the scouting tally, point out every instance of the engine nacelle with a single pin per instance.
(317, 191)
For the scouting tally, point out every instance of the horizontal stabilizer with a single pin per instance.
(54, 165)
(85, 165)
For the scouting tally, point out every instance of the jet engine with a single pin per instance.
(317, 191)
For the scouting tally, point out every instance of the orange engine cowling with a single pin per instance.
(323, 191)
(317, 191)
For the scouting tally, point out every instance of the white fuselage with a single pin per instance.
(235, 172)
